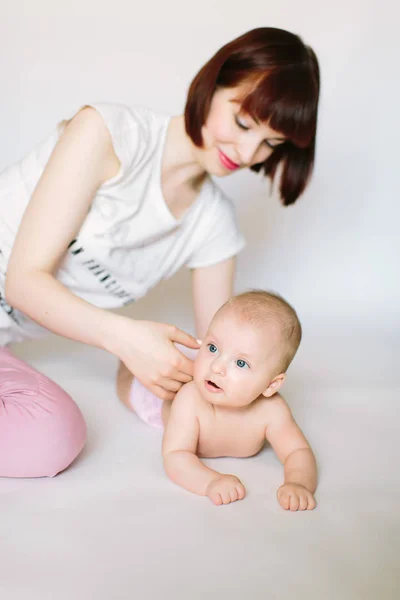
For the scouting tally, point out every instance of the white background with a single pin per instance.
(334, 255)
(113, 526)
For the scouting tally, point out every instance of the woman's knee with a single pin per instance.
(42, 430)
(64, 433)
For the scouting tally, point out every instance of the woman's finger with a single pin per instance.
(181, 377)
(161, 392)
(168, 387)
(181, 337)
(169, 384)
(182, 364)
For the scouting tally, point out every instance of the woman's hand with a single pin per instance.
(149, 352)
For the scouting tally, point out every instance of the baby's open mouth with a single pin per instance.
(213, 384)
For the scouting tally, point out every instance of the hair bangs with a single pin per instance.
(278, 80)
(287, 102)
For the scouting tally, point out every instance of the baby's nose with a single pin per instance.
(218, 366)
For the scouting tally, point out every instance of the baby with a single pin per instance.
(232, 406)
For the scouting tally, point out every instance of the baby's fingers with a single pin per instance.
(294, 502)
(303, 502)
(216, 499)
(233, 495)
(284, 499)
(241, 492)
(306, 501)
(311, 502)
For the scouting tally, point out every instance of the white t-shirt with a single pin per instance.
(129, 240)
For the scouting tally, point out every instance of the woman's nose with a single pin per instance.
(249, 151)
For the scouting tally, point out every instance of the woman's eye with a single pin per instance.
(241, 363)
(212, 348)
(273, 145)
(240, 124)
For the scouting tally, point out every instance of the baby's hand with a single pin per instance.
(293, 496)
(225, 489)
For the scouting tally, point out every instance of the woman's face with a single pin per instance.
(232, 139)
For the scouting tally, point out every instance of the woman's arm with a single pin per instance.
(82, 160)
(211, 288)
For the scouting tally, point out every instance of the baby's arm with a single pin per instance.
(179, 452)
(293, 450)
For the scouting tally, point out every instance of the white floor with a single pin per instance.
(114, 527)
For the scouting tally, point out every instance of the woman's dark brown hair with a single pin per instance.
(280, 76)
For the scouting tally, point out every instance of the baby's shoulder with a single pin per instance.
(274, 408)
(187, 399)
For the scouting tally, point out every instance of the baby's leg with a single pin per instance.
(147, 406)
(124, 384)
(41, 428)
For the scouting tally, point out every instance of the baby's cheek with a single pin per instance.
(235, 376)
(240, 387)
(198, 369)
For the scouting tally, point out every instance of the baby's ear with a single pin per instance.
(275, 385)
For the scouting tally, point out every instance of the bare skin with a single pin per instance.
(124, 383)
(234, 432)
(202, 422)
(47, 228)
(221, 431)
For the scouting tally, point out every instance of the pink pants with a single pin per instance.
(41, 428)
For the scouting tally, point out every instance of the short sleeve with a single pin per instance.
(128, 128)
(221, 238)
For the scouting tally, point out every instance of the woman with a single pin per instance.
(119, 198)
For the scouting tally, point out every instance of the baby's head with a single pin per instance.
(248, 347)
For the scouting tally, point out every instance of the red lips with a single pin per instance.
(227, 162)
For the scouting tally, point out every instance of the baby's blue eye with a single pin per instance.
(212, 348)
(241, 363)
